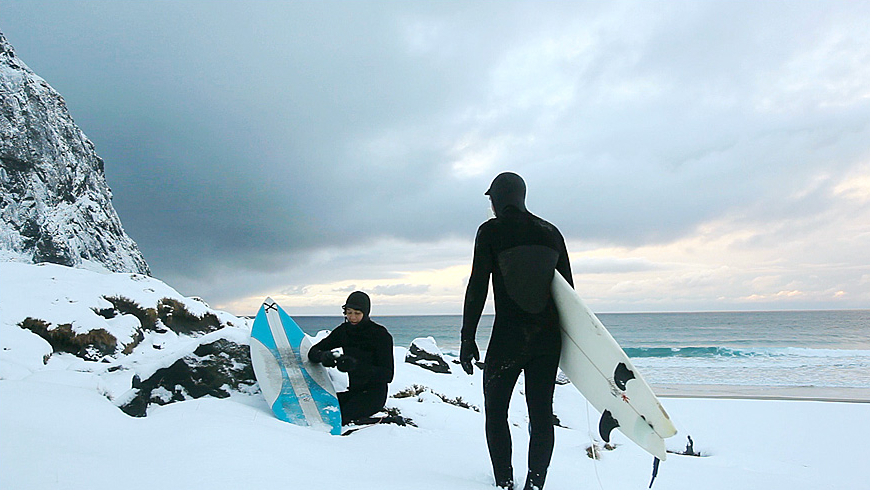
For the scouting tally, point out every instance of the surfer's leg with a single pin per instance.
(540, 383)
(357, 404)
(499, 379)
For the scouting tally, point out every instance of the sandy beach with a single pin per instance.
(805, 393)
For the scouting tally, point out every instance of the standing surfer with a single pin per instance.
(520, 251)
(367, 359)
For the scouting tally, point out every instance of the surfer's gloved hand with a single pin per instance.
(346, 364)
(467, 353)
(314, 355)
(327, 358)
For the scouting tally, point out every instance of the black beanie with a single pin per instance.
(359, 300)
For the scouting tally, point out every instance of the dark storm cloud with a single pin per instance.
(223, 122)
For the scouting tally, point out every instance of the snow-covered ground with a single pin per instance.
(60, 426)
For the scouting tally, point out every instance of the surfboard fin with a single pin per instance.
(606, 425)
(655, 472)
(622, 375)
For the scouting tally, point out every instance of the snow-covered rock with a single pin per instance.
(55, 204)
(134, 339)
(216, 369)
(424, 352)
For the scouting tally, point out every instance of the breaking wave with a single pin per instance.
(736, 352)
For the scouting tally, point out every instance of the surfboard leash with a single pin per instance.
(593, 447)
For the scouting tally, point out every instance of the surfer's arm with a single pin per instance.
(315, 354)
(564, 264)
(478, 285)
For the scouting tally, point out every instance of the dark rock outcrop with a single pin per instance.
(55, 204)
(425, 353)
(214, 369)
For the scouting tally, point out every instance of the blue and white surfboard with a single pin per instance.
(298, 391)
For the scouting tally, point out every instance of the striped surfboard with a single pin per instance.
(296, 390)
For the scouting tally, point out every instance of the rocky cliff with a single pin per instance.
(55, 204)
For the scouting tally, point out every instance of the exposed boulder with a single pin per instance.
(424, 352)
(214, 369)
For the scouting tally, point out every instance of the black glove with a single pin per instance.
(346, 364)
(467, 353)
(327, 358)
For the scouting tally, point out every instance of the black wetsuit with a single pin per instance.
(371, 346)
(521, 252)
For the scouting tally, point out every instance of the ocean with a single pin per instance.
(781, 348)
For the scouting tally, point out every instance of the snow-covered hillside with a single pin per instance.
(132, 338)
(64, 426)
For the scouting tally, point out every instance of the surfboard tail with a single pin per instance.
(603, 373)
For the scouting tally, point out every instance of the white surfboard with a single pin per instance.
(603, 373)
(296, 390)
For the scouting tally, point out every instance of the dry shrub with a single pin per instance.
(147, 316)
(92, 345)
(180, 320)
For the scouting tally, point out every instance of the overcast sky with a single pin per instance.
(696, 155)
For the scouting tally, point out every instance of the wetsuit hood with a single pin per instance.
(359, 300)
(507, 189)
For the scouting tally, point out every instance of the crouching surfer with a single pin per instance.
(521, 252)
(367, 358)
